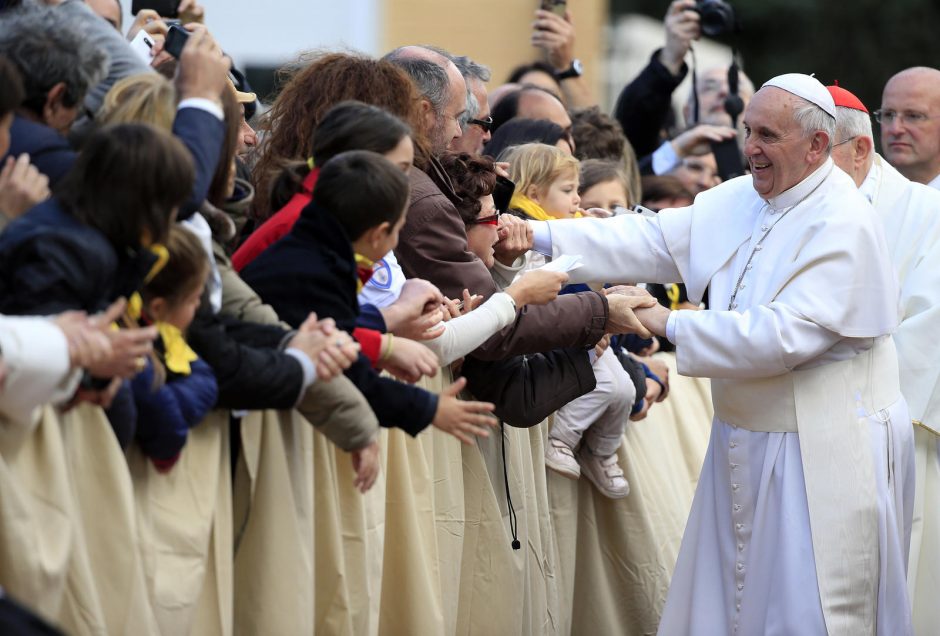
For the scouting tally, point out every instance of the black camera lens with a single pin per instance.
(717, 17)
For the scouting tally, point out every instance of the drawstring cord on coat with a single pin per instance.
(513, 519)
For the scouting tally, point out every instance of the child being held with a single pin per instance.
(587, 431)
(176, 389)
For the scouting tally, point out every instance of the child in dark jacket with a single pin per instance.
(176, 389)
(359, 205)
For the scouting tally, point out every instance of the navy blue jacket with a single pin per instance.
(313, 268)
(201, 132)
(48, 150)
(51, 262)
(165, 415)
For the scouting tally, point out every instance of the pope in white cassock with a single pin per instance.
(798, 525)
(910, 215)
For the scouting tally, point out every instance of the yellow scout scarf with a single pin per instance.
(177, 353)
(533, 209)
(363, 271)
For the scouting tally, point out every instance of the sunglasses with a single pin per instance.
(487, 220)
(485, 124)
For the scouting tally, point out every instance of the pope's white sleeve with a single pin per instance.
(629, 248)
(465, 333)
(36, 356)
(763, 341)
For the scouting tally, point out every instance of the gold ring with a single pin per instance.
(140, 363)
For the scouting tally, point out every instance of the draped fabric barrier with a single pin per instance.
(102, 543)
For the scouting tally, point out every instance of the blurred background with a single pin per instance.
(860, 43)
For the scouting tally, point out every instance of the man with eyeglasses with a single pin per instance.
(478, 125)
(908, 212)
(910, 124)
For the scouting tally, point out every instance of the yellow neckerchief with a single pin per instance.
(533, 209)
(363, 271)
(177, 354)
(673, 293)
(163, 255)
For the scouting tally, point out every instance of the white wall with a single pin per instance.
(274, 31)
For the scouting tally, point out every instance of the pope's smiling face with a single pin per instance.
(780, 155)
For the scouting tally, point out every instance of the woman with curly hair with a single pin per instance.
(309, 93)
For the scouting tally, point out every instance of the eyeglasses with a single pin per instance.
(487, 220)
(485, 124)
(911, 117)
(845, 141)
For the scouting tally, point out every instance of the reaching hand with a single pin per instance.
(555, 35)
(148, 20)
(191, 11)
(88, 345)
(538, 287)
(697, 140)
(653, 394)
(462, 419)
(418, 313)
(329, 348)
(622, 301)
(21, 186)
(203, 69)
(683, 24)
(365, 461)
(452, 309)
(409, 360)
(515, 239)
(129, 347)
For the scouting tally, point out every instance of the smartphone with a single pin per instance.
(728, 157)
(142, 45)
(164, 8)
(556, 6)
(175, 40)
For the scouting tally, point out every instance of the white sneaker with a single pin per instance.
(560, 458)
(605, 473)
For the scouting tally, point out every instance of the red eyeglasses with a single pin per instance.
(487, 220)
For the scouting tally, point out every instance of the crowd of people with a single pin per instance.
(192, 283)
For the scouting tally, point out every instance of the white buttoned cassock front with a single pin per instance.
(802, 512)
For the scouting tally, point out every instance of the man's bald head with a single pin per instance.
(443, 105)
(540, 104)
(910, 123)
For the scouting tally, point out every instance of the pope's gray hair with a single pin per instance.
(851, 122)
(812, 119)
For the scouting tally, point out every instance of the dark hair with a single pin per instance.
(48, 48)
(219, 188)
(349, 125)
(361, 189)
(520, 71)
(597, 135)
(127, 180)
(663, 187)
(314, 89)
(594, 171)
(472, 178)
(12, 94)
(187, 267)
(524, 131)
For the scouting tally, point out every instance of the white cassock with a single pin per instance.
(798, 521)
(910, 214)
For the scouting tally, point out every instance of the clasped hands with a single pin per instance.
(635, 310)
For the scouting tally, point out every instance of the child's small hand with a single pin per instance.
(462, 419)
(410, 361)
(365, 462)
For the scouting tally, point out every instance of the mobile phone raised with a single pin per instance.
(164, 8)
(175, 40)
(557, 7)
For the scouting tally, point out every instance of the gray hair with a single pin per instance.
(812, 118)
(47, 48)
(851, 122)
(430, 79)
(471, 71)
